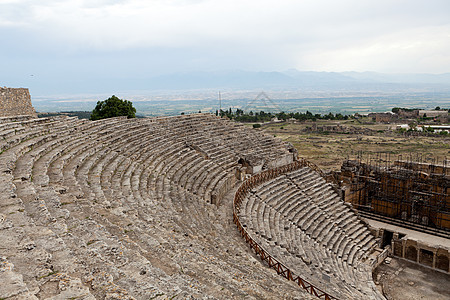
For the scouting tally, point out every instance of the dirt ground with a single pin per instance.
(401, 279)
(328, 149)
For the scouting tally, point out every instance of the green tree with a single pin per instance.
(113, 107)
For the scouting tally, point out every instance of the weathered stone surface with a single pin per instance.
(11, 283)
(121, 209)
(300, 220)
(15, 102)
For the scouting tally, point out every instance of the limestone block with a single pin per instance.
(11, 283)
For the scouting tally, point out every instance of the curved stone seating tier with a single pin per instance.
(224, 132)
(12, 119)
(119, 209)
(299, 219)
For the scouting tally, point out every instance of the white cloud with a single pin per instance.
(419, 50)
(320, 35)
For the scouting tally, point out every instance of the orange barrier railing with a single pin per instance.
(272, 262)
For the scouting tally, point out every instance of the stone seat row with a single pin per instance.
(34, 155)
(43, 241)
(286, 211)
(67, 177)
(228, 161)
(235, 132)
(329, 208)
(297, 250)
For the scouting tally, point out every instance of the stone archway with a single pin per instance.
(411, 253)
(442, 262)
(426, 257)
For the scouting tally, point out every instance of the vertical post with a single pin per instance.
(434, 258)
(403, 248)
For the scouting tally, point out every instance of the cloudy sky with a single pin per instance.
(88, 40)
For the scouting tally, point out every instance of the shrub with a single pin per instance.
(113, 107)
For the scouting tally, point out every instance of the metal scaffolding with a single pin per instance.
(413, 190)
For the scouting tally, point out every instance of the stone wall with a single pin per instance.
(433, 113)
(383, 117)
(408, 114)
(15, 102)
(435, 256)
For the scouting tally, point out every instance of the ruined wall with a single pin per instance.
(383, 117)
(15, 102)
(408, 114)
(432, 255)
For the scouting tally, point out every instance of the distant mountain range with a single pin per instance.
(443, 79)
(290, 80)
(321, 92)
(299, 79)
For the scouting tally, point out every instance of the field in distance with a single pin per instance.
(328, 148)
